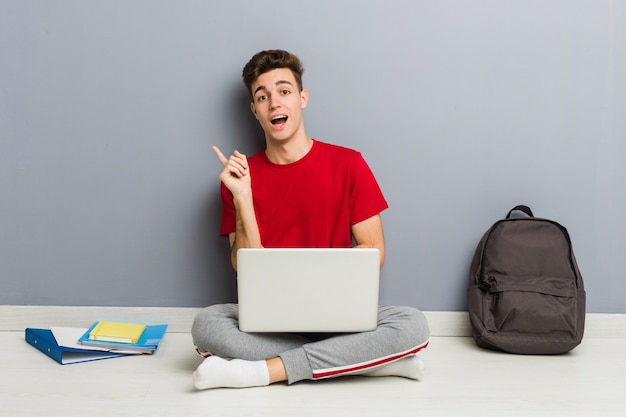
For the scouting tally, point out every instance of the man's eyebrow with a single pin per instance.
(283, 82)
(262, 87)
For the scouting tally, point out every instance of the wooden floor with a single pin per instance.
(460, 380)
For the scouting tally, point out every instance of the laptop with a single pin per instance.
(317, 290)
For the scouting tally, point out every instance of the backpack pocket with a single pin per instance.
(530, 305)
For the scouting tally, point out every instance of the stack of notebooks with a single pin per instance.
(103, 340)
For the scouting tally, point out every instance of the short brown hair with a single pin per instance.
(266, 61)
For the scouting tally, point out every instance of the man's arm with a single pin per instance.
(369, 234)
(246, 233)
(236, 177)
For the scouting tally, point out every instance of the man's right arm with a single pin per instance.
(236, 177)
(246, 233)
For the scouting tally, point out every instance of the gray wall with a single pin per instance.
(108, 185)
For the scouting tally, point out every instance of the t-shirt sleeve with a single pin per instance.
(228, 211)
(366, 197)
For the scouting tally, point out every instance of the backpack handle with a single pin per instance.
(521, 208)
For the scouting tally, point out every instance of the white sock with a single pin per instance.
(215, 372)
(409, 367)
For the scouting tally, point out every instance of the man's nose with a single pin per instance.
(275, 102)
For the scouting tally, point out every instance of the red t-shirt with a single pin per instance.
(311, 202)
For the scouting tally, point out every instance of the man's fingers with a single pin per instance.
(237, 164)
(239, 157)
(242, 157)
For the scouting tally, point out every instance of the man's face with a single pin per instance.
(277, 104)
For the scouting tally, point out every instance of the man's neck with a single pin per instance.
(289, 151)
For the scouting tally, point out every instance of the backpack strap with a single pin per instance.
(521, 208)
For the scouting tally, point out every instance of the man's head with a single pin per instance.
(266, 61)
(274, 79)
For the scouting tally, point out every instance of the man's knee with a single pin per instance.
(410, 324)
(210, 323)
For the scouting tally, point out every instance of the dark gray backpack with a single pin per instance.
(526, 293)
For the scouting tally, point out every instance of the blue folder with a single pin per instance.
(44, 341)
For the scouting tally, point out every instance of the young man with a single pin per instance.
(299, 192)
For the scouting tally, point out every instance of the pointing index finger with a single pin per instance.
(220, 155)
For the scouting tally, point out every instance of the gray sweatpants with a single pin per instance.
(401, 331)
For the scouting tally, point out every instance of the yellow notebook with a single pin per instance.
(110, 331)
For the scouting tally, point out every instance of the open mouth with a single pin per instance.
(279, 120)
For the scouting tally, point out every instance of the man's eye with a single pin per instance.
(285, 92)
(261, 98)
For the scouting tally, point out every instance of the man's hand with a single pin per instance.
(236, 177)
(236, 173)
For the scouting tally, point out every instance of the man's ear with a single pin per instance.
(304, 97)
(253, 109)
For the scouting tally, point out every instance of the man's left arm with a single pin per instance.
(369, 234)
